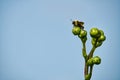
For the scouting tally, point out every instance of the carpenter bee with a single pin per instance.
(78, 23)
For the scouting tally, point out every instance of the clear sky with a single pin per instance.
(36, 42)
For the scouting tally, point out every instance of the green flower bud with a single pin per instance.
(90, 62)
(96, 60)
(95, 33)
(84, 39)
(93, 41)
(76, 30)
(83, 33)
(102, 38)
(101, 31)
(99, 44)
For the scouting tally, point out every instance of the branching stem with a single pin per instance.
(86, 57)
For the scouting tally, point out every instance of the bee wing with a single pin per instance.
(82, 23)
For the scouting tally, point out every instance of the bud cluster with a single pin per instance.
(94, 60)
(97, 37)
(82, 34)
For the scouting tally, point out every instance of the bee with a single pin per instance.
(78, 23)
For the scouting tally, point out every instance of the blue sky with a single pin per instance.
(36, 42)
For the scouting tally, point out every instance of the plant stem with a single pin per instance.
(90, 55)
(91, 52)
(85, 57)
(85, 69)
(91, 69)
(84, 51)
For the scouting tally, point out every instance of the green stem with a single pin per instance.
(90, 55)
(85, 57)
(91, 69)
(91, 52)
(84, 51)
(88, 76)
(85, 69)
